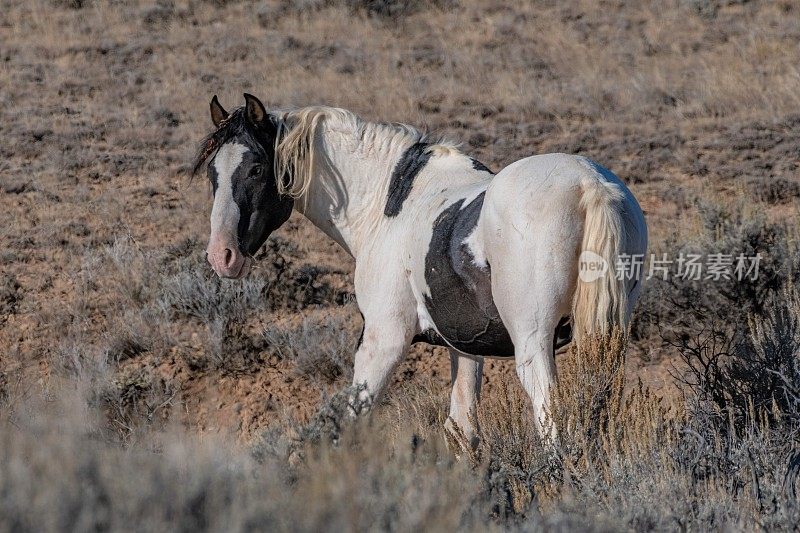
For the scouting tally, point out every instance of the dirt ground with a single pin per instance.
(102, 230)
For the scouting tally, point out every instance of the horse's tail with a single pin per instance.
(601, 300)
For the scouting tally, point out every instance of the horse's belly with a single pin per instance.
(459, 297)
(479, 335)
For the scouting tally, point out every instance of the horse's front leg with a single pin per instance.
(381, 350)
(389, 326)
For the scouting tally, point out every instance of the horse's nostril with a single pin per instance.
(228, 257)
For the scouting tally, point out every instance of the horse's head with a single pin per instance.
(247, 205)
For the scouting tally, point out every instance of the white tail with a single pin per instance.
(601, 300)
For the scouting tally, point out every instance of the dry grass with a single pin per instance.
(320, 348)
(620, 461)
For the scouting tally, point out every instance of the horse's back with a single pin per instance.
(540, 177)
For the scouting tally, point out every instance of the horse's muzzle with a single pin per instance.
(225, 258)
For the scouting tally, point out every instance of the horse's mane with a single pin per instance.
(296, 151)
(298, 132)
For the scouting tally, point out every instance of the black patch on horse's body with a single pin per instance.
(361, 335)
(431, 337)
(461, 304)
(405, 171)
(477, 165)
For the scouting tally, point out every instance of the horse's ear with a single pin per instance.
(218, 113)
(254, 109)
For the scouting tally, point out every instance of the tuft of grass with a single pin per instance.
(513, 456)
(386, 10)
(135, 333)
(336, 415)
(321, 351)
(421, 404)
(223, 306)
(775, 191)
(10, 295)
(135, 401)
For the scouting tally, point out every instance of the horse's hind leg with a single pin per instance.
(531, 306)
(465, 374)
(532, 288)
(536, 370)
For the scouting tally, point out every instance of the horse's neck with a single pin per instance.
(347, 195)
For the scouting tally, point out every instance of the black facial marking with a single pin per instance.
(461, 303)
(411, 163)
(213, 178)
(477, 165)
(261, 209)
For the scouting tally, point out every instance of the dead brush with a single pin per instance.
(223, 308)
(136, 332)
(320, 350)
(125, 267)
(10, 295)
(598, 425)
(367, 482)
(515, 460)
(757, 379)
(291, 440)
(420, 404)
(135, 400)
(597, 419)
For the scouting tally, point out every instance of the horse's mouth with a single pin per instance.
(245, 268)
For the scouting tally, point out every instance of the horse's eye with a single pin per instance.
(255, 171)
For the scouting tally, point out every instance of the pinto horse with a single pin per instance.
(446, 252)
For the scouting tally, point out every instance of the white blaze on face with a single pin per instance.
(225, 212)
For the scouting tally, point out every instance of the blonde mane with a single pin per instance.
(296, 151)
